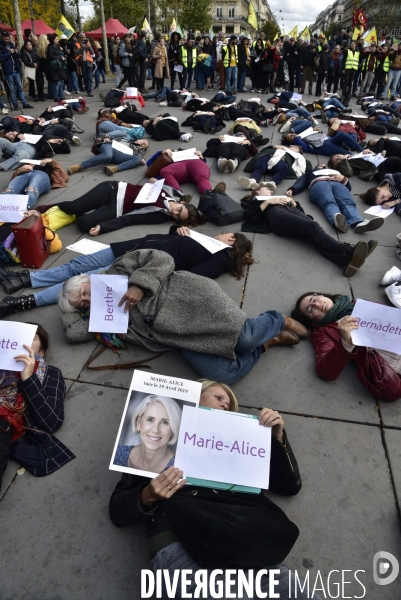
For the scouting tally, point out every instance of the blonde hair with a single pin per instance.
(43, 42)
(208, 383)
(173, 411)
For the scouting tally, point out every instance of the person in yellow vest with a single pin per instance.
(261, 36)
(382, 69)
(84, 58)
(187, 58)
(230, 62)
(350, 69)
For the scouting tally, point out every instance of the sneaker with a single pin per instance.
(164, 103)
(340, 223)
(67, 92)
(393, 275)
(247, 183)
(221, 164)
(75, 140)
(186, 137)
(264, 124)
(367, 225)
(360, 252)
(394, 294)
(4, 111)
(232, 164)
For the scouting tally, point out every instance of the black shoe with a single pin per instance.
(217, 129)
(13, 304)
(42, 99)
(206, 128)
(372, 244)
(90, 95)
(13, 281)
(27, 106)
(102, 97)
(257, 138)
(360, 252)
(263, 142)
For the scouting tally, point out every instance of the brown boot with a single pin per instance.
(295, 327)
(186, 198)
(74, 169)
(110, 170)
(220, 187)
(286, 338)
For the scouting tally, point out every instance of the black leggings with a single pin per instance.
(128, 75)
(391, 165)
(249, 133)
(290, 222)
(102, 200)
(233, 151)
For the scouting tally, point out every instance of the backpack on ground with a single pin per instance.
(113, 98)
(218, 207)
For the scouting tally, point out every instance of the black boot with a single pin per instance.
(12, 281)
(13, 304)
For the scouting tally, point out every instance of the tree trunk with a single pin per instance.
(17, 22)
(32, 16)
(79, 22)
(104, 39)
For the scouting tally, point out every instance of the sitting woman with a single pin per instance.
(105, 153)
(332, 194)
(165, 127)
(286, 218)
(278, 161)
(228, 153)
(31, 409)
(319, 143)
(387, 194)
(187, 253)
(330, 318)
(35, 180)
(266, 533)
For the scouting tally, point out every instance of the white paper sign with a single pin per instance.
(141, 408)
(13, 336)
(379, 211)
(85, 246)
(305, 133)
(184, 155)
(224, 446)
(207, 242)
(31, 139)
(326, 172)
(178, 68)
(30, 161)
(28, 117)
(12, 207)
(375, 159)
(70, 100)
(395, 139)
(121, 147)
(56, 108)
(296, 97)
(131, 92)
(254, 100)
(232, 138)
(105, 314)
(149, 192)
(379, 326)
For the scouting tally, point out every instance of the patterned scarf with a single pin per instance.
(342, 307)
(111, 340)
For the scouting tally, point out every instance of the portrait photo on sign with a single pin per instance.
(150, 425)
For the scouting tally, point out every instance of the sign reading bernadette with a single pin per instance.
(224, 446)
(151, 421)
(105, 314)
(379, 326)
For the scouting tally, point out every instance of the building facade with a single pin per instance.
(332, 14)
(231, 16)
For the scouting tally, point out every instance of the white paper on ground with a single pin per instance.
(184, 155)
(171, 118)
(121, 147)
(379, 326)
(305, 133)
(149, 192)
(12, 207)
(85, 246)
(13, 336)
(31, 139)
(28, 117)
(207, 242)
(119, 109)
(105, 314)
(326, 172)
(131, 92)
(47, 122)
(30, 161)
(296, 96)
(180, 392)
(178, 68)
(238, 450)
(378, 211)
(375, 159)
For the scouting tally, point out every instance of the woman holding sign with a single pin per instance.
(193, 527)
(330, 317)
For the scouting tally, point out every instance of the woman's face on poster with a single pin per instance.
(154, 427)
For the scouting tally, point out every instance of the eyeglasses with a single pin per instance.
(311, 307)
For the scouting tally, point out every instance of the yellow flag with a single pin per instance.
(64, 28)
(357, 31)
(372, 37)
(145, 25)
(173, 26)
(252, 20)
(294, 32)
(306, 33)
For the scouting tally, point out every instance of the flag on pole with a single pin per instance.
(173, 26)
(64, 28)
(357, 31)
(306, 33)
(252, 20)
(294, 32)
(371, 36)
(145, 25)
(180, 31)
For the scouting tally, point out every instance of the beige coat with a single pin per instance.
(157, 54)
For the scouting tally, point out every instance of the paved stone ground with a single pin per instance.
(56, 537)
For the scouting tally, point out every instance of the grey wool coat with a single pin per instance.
(179, 309)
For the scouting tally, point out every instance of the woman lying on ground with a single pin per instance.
(330, 318)
(188, 255)
(317, 142)
(371, 124)
(128, 116)
(137, 498)
(31, 409)
(229, 154)
(165, 127)
(332, 194)
(106, 154)
(384, 144)
(15, 150)
(286, 218)
(35, 180)
(387, 194)
(206, 121)
(363, 166)
(181, 311)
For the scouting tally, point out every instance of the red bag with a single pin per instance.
(30, 235)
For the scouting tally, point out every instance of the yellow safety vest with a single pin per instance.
(184, 57)
(352, 61)
(226, 62)
(264, 42)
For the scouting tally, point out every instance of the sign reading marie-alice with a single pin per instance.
(224, 446)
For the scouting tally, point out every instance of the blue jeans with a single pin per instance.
(301, 111)
(226, 98)
(231, 78)
(255, 332)
(187, 73)
(334, 197)
(114, 131)
(334, 145)
(174, 558)
(87, 75)
(90, 264)
(299, 126)
(165, 91)
(72, 85)
(392, 83)
(279, 170)
(113, 156)
(39, 181)
(17, 152)
(14, 83)
(56, 89)
(332, 112)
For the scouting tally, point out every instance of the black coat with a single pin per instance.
(57, 68)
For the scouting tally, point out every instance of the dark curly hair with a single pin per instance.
(241, 255)
(300, 316)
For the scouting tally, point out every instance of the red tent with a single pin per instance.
(40, 27)
(113, 27)
(7, 28)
